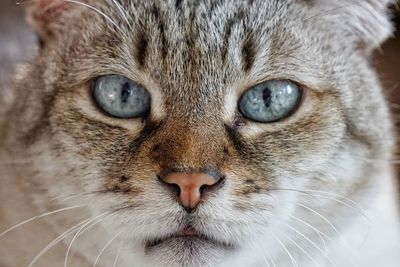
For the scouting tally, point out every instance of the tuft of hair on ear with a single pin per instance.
(51, 18)
(367, 21)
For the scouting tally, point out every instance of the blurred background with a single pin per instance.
(16, 45)
(388, 65)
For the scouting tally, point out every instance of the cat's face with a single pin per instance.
(196, 60)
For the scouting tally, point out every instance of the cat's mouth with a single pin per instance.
(189, 236)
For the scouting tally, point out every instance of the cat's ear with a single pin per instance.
(366, 20)
(52, 18)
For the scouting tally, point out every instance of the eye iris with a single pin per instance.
(270, 101)
(120, 97)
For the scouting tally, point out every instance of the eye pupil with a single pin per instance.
(126, 92)
(267, 97)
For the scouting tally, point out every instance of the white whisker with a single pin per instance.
(322, 217)
(122, 11)
(302, 250)
(319, 233)
(329, 11)
(117, 257)
(55, 241)
(98, 11)
(266, 257)
(336, 195)
(342, 240)
(312, 243)
(266, 260)
(105, 247)
(322, 194)
(273, 262)
(65, 198)
(327, 237)
(343, 203)
(38, 217)
(88, 225)
(294, 262)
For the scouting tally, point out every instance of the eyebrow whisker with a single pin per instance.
(97, 11)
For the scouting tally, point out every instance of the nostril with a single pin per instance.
(174, 188)
(214, 187)
(209, 188)
(203, 188)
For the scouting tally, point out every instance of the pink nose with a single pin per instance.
(191, 186)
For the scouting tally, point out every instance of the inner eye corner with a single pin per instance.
(239, 120)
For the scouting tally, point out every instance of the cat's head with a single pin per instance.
(207, 128)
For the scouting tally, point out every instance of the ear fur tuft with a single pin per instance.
(367, 20)
(50, 18)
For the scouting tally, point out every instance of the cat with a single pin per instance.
(200, 133)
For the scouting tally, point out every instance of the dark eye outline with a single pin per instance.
(92, 86)
(302, 93)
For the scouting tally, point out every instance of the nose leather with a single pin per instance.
(190, 185)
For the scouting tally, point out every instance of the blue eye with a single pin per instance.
(120, 97)
(270, 101)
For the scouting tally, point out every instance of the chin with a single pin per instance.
(191, 251)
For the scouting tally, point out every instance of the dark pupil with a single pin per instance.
(125, 92)
(267, 97)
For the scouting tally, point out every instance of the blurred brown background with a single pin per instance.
(16, 41)
(388, 65)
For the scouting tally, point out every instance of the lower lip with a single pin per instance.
(187, 237)
(181, 236)
(188, 231)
